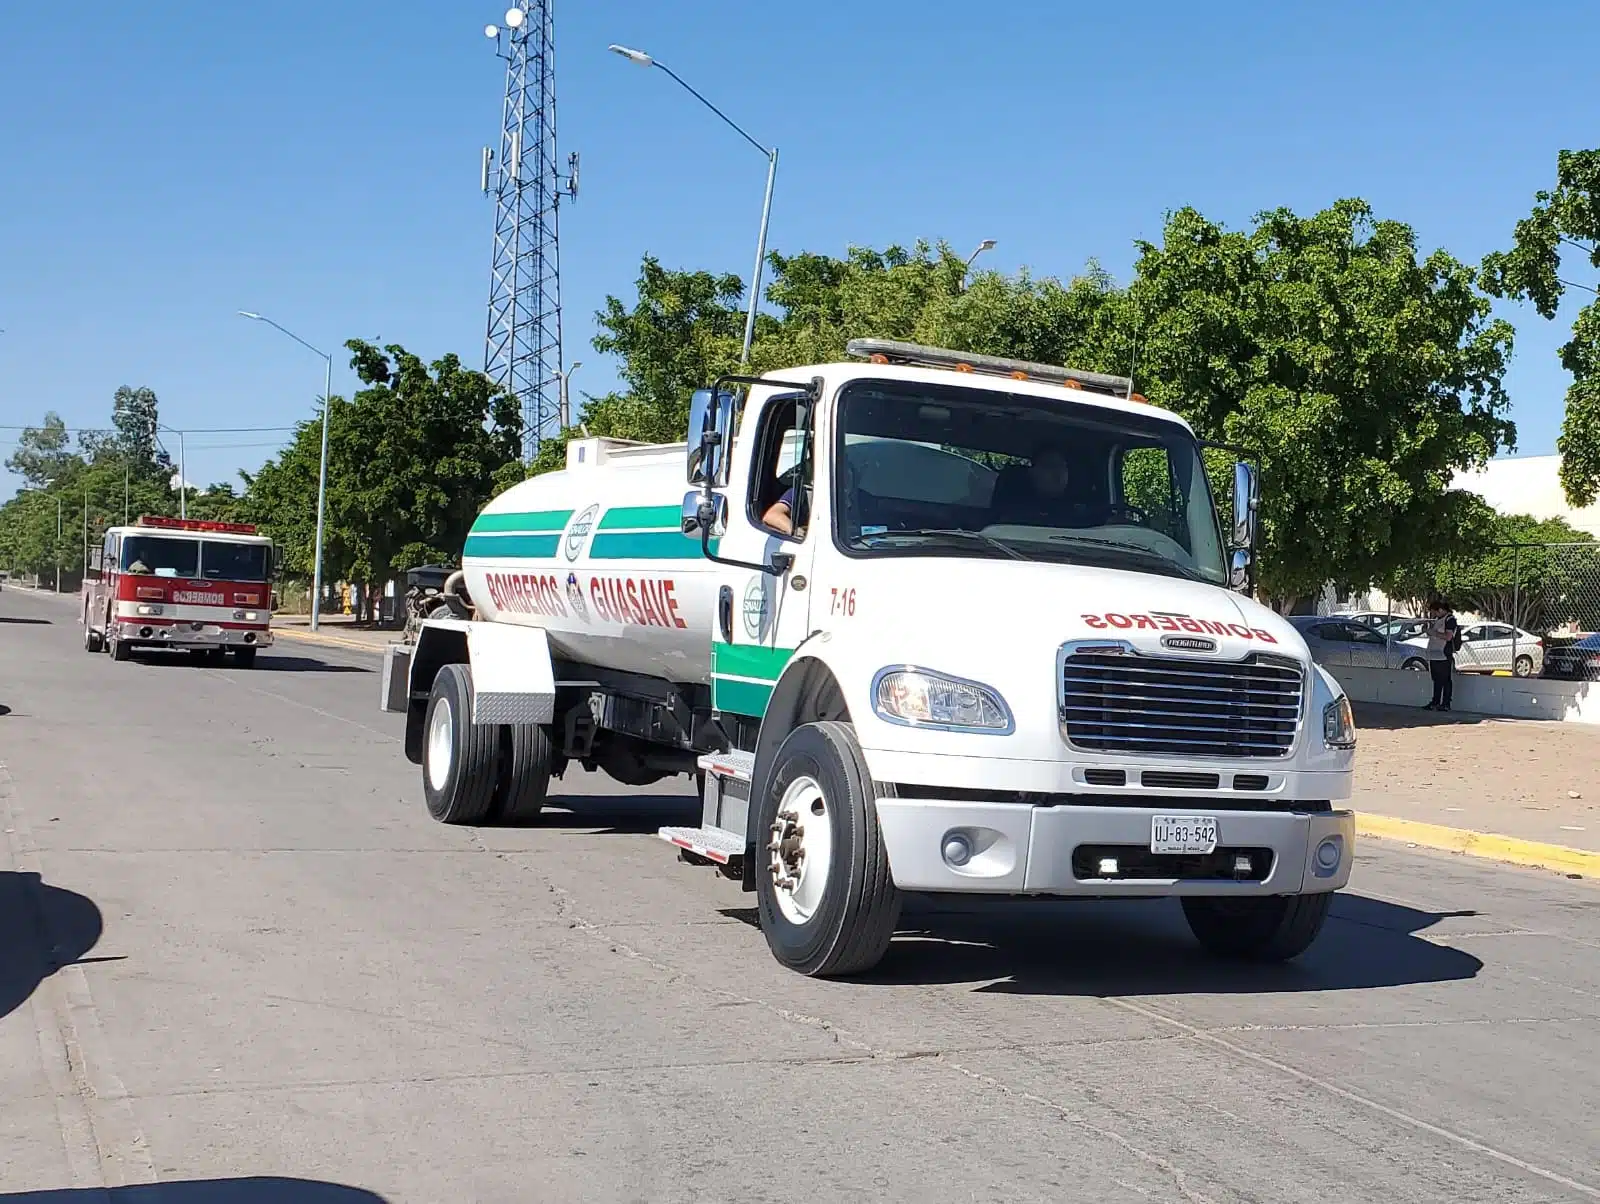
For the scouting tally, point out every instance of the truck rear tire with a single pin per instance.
(524, 774)
(827, 901)
(1271, 929)
(91, 637)
(459, 757)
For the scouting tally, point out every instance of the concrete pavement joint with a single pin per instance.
(1344, 1093)
(75, 1052)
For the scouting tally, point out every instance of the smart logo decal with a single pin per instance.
(755, 608)
(579, 531)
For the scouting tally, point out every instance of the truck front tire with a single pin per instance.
(524, 775)
(1270, 929)
(827, 901)
(459, 757)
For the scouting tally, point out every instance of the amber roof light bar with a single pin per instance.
(889, 351)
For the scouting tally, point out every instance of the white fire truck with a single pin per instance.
(205, 587)
(927, 621)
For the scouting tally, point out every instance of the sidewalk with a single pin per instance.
(339, 631)
(1524, 781)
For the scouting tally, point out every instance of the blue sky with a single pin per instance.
(165, 164)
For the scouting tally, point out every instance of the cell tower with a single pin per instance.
(522, 346)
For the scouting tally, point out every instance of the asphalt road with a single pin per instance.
(237, 958)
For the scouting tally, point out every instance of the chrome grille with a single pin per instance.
(1124, 703)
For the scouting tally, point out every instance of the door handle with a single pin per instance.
(725, 613)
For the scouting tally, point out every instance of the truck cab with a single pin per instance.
(943, 623)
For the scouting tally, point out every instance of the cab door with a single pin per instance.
(763, 616)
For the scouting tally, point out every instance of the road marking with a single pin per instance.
(1345, 1093)
(1487, 845)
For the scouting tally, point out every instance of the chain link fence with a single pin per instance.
(1543, 598)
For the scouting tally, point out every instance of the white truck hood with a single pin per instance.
(964, 609)
(1003, 623)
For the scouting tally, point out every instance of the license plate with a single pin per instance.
(1183, 833)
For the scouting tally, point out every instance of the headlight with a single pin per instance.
(1339, 724)
(919, 698)
(247, 616)
(149, 609)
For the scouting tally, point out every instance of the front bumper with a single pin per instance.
(1022, 849)
(190, 635)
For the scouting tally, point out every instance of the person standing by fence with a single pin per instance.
(1444, 637)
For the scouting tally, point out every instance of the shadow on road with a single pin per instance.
(1138, 947)
(1393, 718)
(268, 663)
(24, 623)
(4, 709)
(611, 815)
(206, 1191)
(304, 664)
(45, 929)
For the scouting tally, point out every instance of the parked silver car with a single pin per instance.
(1335, 641)
(1399, 644)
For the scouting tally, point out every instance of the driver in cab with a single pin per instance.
(1038, 495)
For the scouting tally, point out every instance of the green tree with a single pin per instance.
(412, 458)
(44, 453)
(1361, 376)
(1564, 226)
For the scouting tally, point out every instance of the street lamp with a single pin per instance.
(644, 60)
(183, 481)
(986, 245)
(322, 471)
(566, 404)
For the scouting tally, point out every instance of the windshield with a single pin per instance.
(161, 556)
(952, 471)
(234, 561)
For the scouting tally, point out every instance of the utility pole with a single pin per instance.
(58, 543)
(85, 530)
(522, 343)
(124, 494)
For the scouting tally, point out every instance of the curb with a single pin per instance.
(1486, 845)
(333, 640)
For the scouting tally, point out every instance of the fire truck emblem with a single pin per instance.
(579, 531)
(575, 598)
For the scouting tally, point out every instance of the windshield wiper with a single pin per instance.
(935, 532)
(1134, 550)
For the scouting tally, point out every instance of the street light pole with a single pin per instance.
(566, 401)
(644, 60)
(322, 471)
(987, 244)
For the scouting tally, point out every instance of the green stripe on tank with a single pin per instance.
(529, 546)
(749, 660)
(644, 545)
(633, 518)
(535, 520)
(740, 697)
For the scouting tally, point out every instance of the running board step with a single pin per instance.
(714, 844)
(736, 766)
(739, 766)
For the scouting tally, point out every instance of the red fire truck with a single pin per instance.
(180, 583)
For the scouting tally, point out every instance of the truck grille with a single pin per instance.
(1122, 703)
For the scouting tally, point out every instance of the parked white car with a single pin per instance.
(1492, 647)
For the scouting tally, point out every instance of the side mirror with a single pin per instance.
(710, 437)
(1246, 497)
(695, 514)
(1239, 569)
